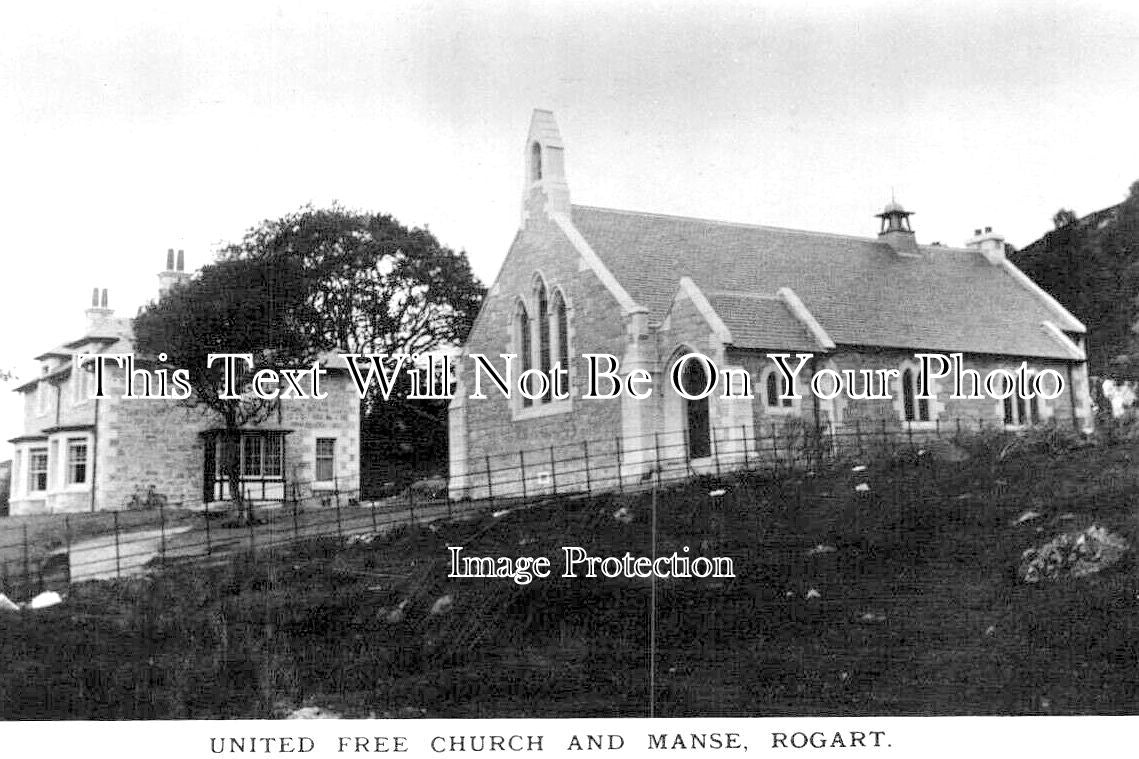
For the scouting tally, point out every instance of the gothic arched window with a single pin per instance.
(522, 335)
(561, 335)
(543, 333)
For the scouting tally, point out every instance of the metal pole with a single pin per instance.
(620, 466)
(489, 482)
(553, 471)
(67, 537)
(27, 568)
(118, 556)
(336, 495)
(162, 529)
(656, 446)
(588, 481)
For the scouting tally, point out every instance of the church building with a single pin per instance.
(650, 288)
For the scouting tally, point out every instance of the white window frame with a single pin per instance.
(33, 471)
(261, 437)
(934, 405)
(1009, 407)
(330, 458)
(70, 444)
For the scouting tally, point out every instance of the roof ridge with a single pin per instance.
(746, 225)
(750, 226)
(743, 294)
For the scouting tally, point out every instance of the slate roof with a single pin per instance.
(761, 322)
(859, 289)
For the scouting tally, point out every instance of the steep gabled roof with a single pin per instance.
(858, 289)
(762, 322)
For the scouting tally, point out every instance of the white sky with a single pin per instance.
(126, 130)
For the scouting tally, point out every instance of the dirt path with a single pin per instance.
(105, 558)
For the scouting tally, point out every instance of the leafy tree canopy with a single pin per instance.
(375, 286)
(233, 306)
(1091, 266)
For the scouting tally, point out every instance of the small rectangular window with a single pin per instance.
(76, 461)
(37, 470)
(325, 459)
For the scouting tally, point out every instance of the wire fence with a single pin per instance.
(623, 462)
(51, 552)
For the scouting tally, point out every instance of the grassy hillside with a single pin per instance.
(918, 610)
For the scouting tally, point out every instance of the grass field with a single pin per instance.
(918, 610)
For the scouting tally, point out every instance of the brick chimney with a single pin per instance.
(175, 272)
(990, 244)
(98, 314)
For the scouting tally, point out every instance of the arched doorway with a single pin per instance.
(694, 379)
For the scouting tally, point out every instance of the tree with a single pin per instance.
(1064, 217)
(1091, 267)
(257, 306)
(376, 286)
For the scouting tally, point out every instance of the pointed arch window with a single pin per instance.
(561, 336)
(774, 388)
(522, 337)
(544, 352)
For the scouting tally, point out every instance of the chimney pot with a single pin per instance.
(988, 229)
(977, 232)
(103, 302)
(95, 298)
(181, 260)
(169, 259)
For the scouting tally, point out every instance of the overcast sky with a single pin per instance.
(126, 130)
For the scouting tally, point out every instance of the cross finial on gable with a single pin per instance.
(545, 189)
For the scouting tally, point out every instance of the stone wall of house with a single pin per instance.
(158, 443)
(144, 443)
(337, 416)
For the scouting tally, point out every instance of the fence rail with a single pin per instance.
(70, 548)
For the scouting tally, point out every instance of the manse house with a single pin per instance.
(79, 453)
(649, 288)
